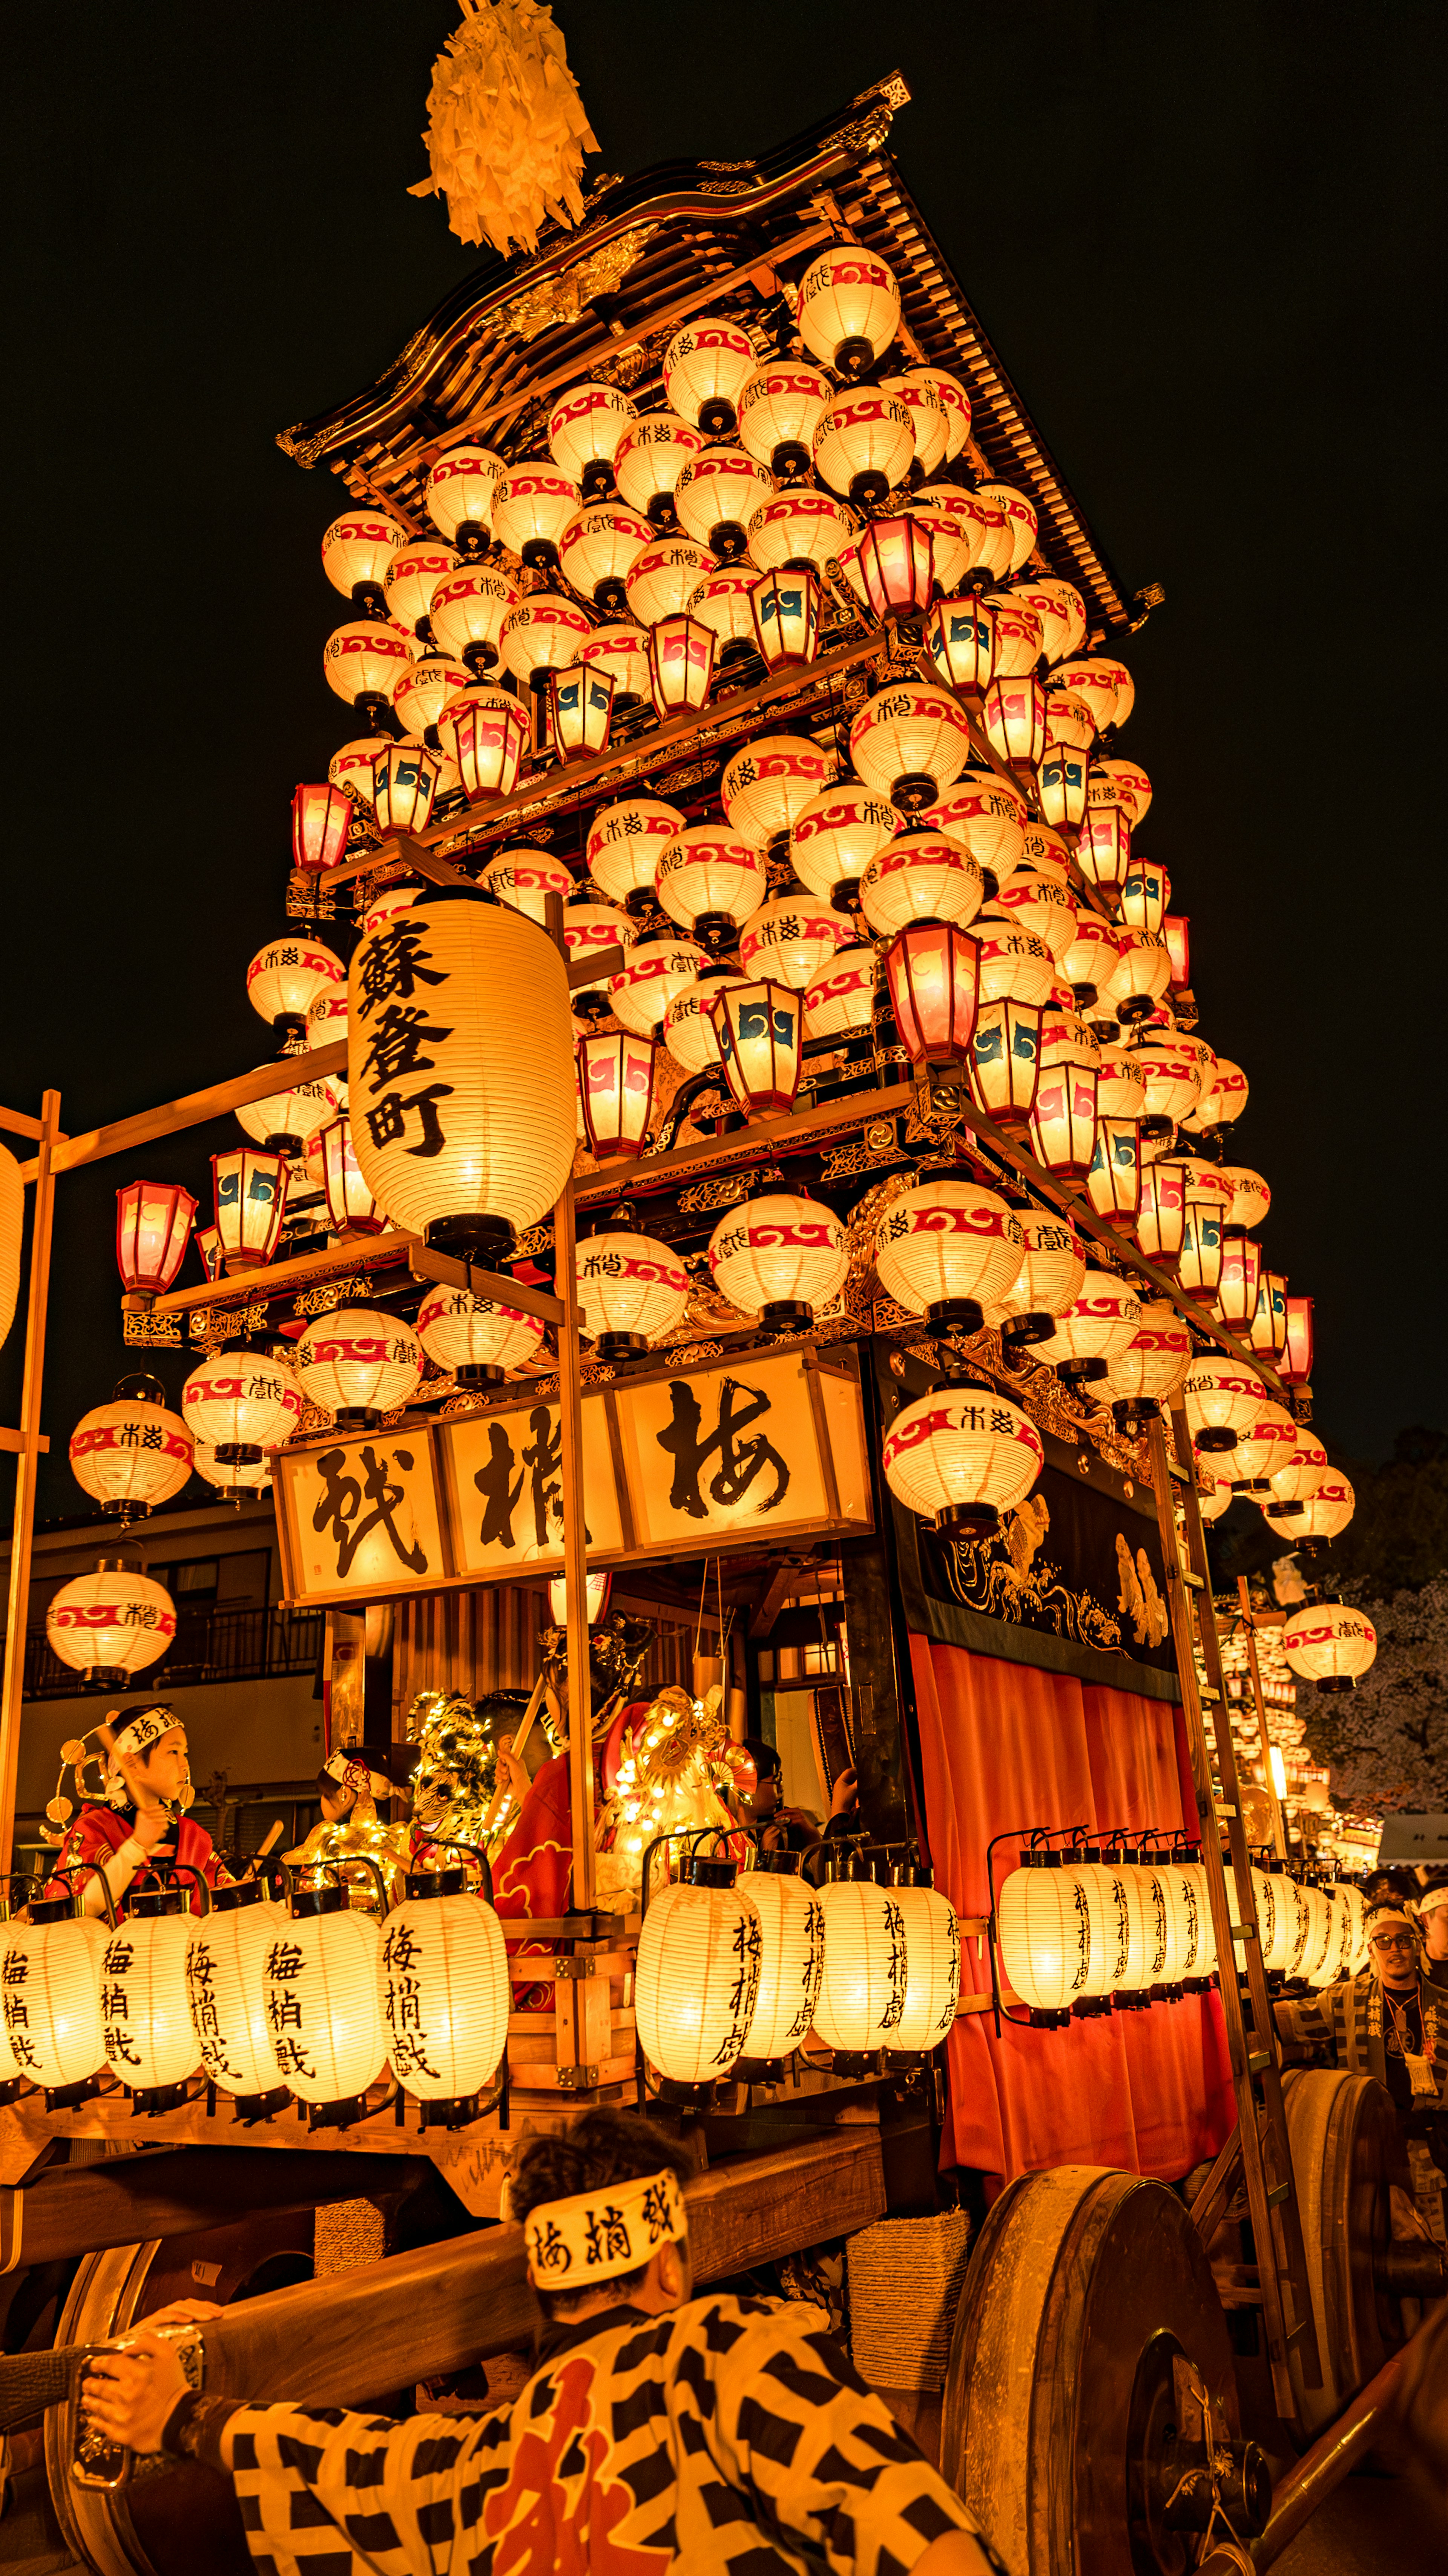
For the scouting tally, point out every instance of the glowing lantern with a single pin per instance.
(999, 548)
(412, 577)
(989, 815)
(664, 578)
(580, 711)
(648, 461)
(651, 975)
(495, 1105)
(1042, 906)
(1332, 1963)
(688, 1026)
(933, 972)
(961, 637)
(1145, 894)
(1237, 1283)
(350, 771)
(153, 1227)
(1063, 1119)
(758, 1031)
(622, 653)
(1140, 976)
(864, 1984)
(921, 877)
(50, 1989)
(233, 1483)
(474, 1339)
(1224, 1101)
(1017, 638)
(321, 820)
(225, 1957)
(706, 368)
(1015, 966)
(791, 1963)
(779, 410)
(631, 1291)
(250, 1191)
(1296, 1479)
(1214, 1497)
(1326, 1513)
(1043, 1929)
(462, 494)
(697, 1976)
(798, 530)
(1063, 781)
(681, 653)
(599, 548)
(1005, 1060)
(709, 882)
(1044, 854)
(895, 560)
(359, 1364)
(947, 1249)
(486, 737)
(962, 1457)
(363, 663)
(285, 1121)
(425, 691)
(1295, 1365)
(1102, 1320)
(110, 1624)
(840, 999)
(786, 611)
(1222, 1398)
(445, 1995)
(1266, 1443)
(863, 445)
(1106, 687)
(356, 551)
(535, 504)
(322, 1992)
(1199, 1263)
(790, 939)
(833, 841)
(781, 1258)
(1153, 1365)
(242, 1403)
(930, 419)
(1175, 930)
(848, 308)
(1161, 1217)
(770, 783)
(1047, 1284)
(716, 497)
(616, 1086)
(145, 2009)
(585, 428)
(596, 1592)
(543, 633)
(590, 931)
(1328, 1644)
(350, 1204)
(1091, 960)
(523, 879)
(1114, 1179)
(724, 602)
(960, 529)
(1251, 1197)
(130, 1455)
(932, 1957)
(405, 780)
(1173, 1070)
(1130, 785)
(1069, 721)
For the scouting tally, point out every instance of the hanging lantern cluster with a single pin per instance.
(1086, 1930)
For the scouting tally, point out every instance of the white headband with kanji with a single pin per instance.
(142, 1731)
(598, 2234)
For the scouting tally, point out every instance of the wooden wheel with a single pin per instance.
(1068, 2427)
(1346, 2154)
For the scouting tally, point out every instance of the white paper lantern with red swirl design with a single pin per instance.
(990, 816)
(1222, 1397)
(462, 491)
(706, 367)
(524, 878)
(1326, 1513)
(950, 397)
(364, 662)
(426, 689)
(664, 576)
(586, 425)
(1140, 976)
(960, 529)
(864, 444)
(791, 939)
(1106, 686)
(1059, 631)
(653, 973)
(625, 842)
(1042, 907)
(1296, 1480)
(797, 526)
(833, 841)
(622, 653)
(688, 1026)
(650, 457)
(1251, 1197)
(535, 504)
(241, 1401)
(847, 307)
(1131, 785)
(412, 577)
(1053, 1267)
(462, 1332)
(110, 1624)
(589, 931)
(359, 1363)
(1223, 1101)
(924, 876)
(724, 602)
(961, 1457)
(630, 1286)
(1154, 1363)
(543, 633)
(599, 548)
(930, 418)
(780, 409)
(1101, 1322)
(1015, 966)
(130, 1456)
(1328, 1644)
(286, 977)
(1263, 1445)
(717, 496)
(1020, 519)
(777, 1252)
(357, 549)
(709, 874)
(947, 1244)
(770, 783)
(350, 768)
(1018, 634)
(1173, 1075)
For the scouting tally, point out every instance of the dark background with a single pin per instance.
(1202, 239)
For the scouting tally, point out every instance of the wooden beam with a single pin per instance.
(1209, 2206)
(15, 1442)
(308, 1269)
(18, 1122)
(78, 2209)
(498, 1286)
(27, 1463)
(575, 1527)
(175, 1116)
(1279, 1829)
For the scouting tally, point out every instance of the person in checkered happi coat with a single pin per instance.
(725, 2435)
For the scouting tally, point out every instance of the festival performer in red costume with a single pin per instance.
(140, 1827)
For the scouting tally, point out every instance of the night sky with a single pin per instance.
(1202, 240)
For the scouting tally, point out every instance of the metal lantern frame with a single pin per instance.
(759, 1030)
(617, 1078)
(153, 1227)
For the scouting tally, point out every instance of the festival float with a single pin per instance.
(737, 1119)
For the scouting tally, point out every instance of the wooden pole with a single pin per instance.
(1279, 1828)
(26, 1466)
(575, 1538)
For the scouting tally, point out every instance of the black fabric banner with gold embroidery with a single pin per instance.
(1074, 1582)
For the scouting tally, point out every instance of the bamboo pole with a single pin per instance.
(575, 1537)
(26, 1466)
(1279, 1829)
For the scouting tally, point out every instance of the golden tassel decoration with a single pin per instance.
(507, 130)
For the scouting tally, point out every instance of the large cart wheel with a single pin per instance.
(1071, 2427)
(1346, 2154)
(120, 2288)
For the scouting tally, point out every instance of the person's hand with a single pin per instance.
(185, 2312)
(129, 2395)
(150, 1827)
(846, 1793)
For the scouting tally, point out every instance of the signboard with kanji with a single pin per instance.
(503, 1476)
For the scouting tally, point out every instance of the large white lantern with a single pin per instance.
(716, 497)
(412, 577)
(864, 445)
(151, 2046)
(665, 577)
(770, 783)
(782, 1258)
(535, 504)
(523, 879)
(1222, 1397)
(468, 609)
(696, 1980)
(1043, 1929)
(1326, 1512)
(847, 308)
(947, 1249)
(462, 495)
(356, 551)
(632, 1291)
(243, 1402)
(652, 975)
(791, 1963)
(460, 1066)
(359, 1364)
(989, 816)
(286, 977)
(1153, 1365)
(50, 1995)
(585, 428)
(863, 1988)
(962, 1457)
(1101, 1322)
(798, 528)
(599, 548)
(225, 1959)
(706, 368)
(130, 1456)
(779, 410)
(364, 662)
(1328, 1644)
(1047, 1284)
(321, 1981)
(110, 1624)
(911, 743)
(839, 999)
(649, 459)
(543, 633)
(474, 1339)
(932, 1960)
(445, 1995)
(688, 1021)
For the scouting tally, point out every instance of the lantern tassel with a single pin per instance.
(507, 128)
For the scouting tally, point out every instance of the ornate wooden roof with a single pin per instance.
(603, 301)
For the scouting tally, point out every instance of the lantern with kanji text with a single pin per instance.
(110, 1625)
(847, 308)
(697, 1975)
(780, 1257)
(475, 1339)
(1222, 1397)
(769, 784)
(716, 498)
(947, 1249)
(243, 1402)
(1099, 1324)
(707, 366)
(1149, 1371)
(840, 998)
(363, 663)
(50, 1995)
(632, 1290)
(799, 530)
(962, 1457)
(356, 551)
(710, 881)
(833, 841)
(790, 938)
(359, 1364)
(412, 577)
(445, 1995)
(779, 410)
(1091, 958)
(664, 578)
(1052, 1269)
(463, 486)
(989, 815)
(688, 1027)
(1139, 977)
(321, 1983)
(922, 876)
(1328, 1644)
(535, 504)
(225, 1956)
(650, 976)
(930, 419)
(598, 549)
(648, 461)
(863, 445)
(585, 428)
(286, 1120)
(590, 932)
(131, 1454)
(524, 878)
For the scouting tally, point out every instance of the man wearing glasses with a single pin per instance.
(1391, 2022)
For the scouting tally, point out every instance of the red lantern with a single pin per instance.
(759, 1030)
(616, 1073)
(1162, 1215)
(1014, 712)
(321, 820)
(1295, 1366)
(1240, 1276)
(486, 734)
(153, 1226)
(1063, 1120)
(896, 562)
(1175, 930)
(681, 664)
(785, 607)
(934, 975)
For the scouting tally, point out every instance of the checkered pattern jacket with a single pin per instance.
(1348, 2019)
(728, 2438)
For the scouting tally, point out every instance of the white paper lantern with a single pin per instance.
(50, 1994)
(543, 633)
(706, 368)
(110, 1624)
(364, 662)
(489, 1092)
(590, 932)
(866, 1972)
(791, 1963)
(471, 1337)
(1146, 1935)
(910, 742)
(286, 977)
(1020, 520)
(1101, 1322)
(769, 784)
(1147, 1373)
(359, 1364)
(130, 1456)
(625, 843)
(524, 878)
(961, 532)
(717, 496)
(1053, 1267)
(780, 1257)
(351, 767)
(652, 974)
(709, 880)
(468, 609)
(621, 653)
(412, 577)
(150, 2044)
(1326, 1512)
(847, 307)
(649, 459)
(779, 410)
(924, 876)
(599, 548)
(534, 505)
(1043, 1926)
(665, 575)
(321, 1981)
(286, 1120)
(1221, 1397)
(1103, 1885)
(241, 1401)
(962, 1457)
(356, 551)
(948, 1245)
(688, 1024)
(1333, 1962)
(462, 492)
(1015, 966)
(834, 839)
(632, 1290)
(1039, 905)
(1327, 1643)
(790, 939)
(445, 1993)
(839, 999)
(235, 1479)
(1201, 1957)
(989, 816)
(798, 526)
(696, 1981)
(932, 1983)
(724, 602)
(1320, 1932)
(585, 427)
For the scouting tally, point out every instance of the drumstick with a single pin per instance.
(526, 1720)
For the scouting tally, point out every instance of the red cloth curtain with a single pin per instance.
(1005, 1745)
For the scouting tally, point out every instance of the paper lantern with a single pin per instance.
(758, 1030)
(284, 1122)
(585, 428)
(356, 551)
(791, 1963)
(543, 633)
(632, 1291)
(1047, 1284)
(923, 876)
(838, 833)
(1251, 1197)
(363, 663)
(790, 939)
(153, 1227)
(233, 1482)
(1161, 1216)
(1268, 1333)
(839, 1000)
(461, 495)
(286, 977)
(696, 1980)
(769, 784)
(351, 1206)
(1015, 966)
(1295, 1365)
(243, 1402)
(460, 1043)
(960, 636)
(798, 530)
(594, 933)
(224, 1960)
(710, 881)
(864, 445)
(998, 550)
(1043, 1931)
(1041, 905)
(863, 1987)
(1147, 1373)
(1322, 1929)
(1173, 1076)
(1140, 976)
(321, 1982)
(1070, 726)
(1014, 716)
(321, 820)
(779, 410)
(947, 1248)
(599, 548)
(1063, 1114)
(130, 1456)
(724, 602)
(1091, 960)
(932, 969)
(1114, 1180)
(786, 611)
(405, 782)
(1222, 1397)
(1328, 1644)
(249, 1190)
(474, 1340)
(50, 1994)
(688, 1022)
(1145, 895)
(1224, 1101)
(486, 736)
(652, 974)
(623, 653)
(1020, 519)
(580, 711)
(779, 1257)
(847, 308)
(988, 815)
(424, 692)
(616, 1087)
(1237, 1284)
(932, 1960)
(896, 564)
(962, 1457)
(665, 577)
(1296, 1478)
(445, 1995)
(596, 1591)
(1062, 784)
(649, 458)
(359, 1364)
(110, 1624)
(1017, 636)
(1103, 1318)
(524, 878)
(1103, 845)
(716, 497)
(680, 664)
(706, 368)
(412, 577)
(1005, 1060)
(960, 530)
(624, 845)
(150, 2044)
(535, 503)
(1147, 1931)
